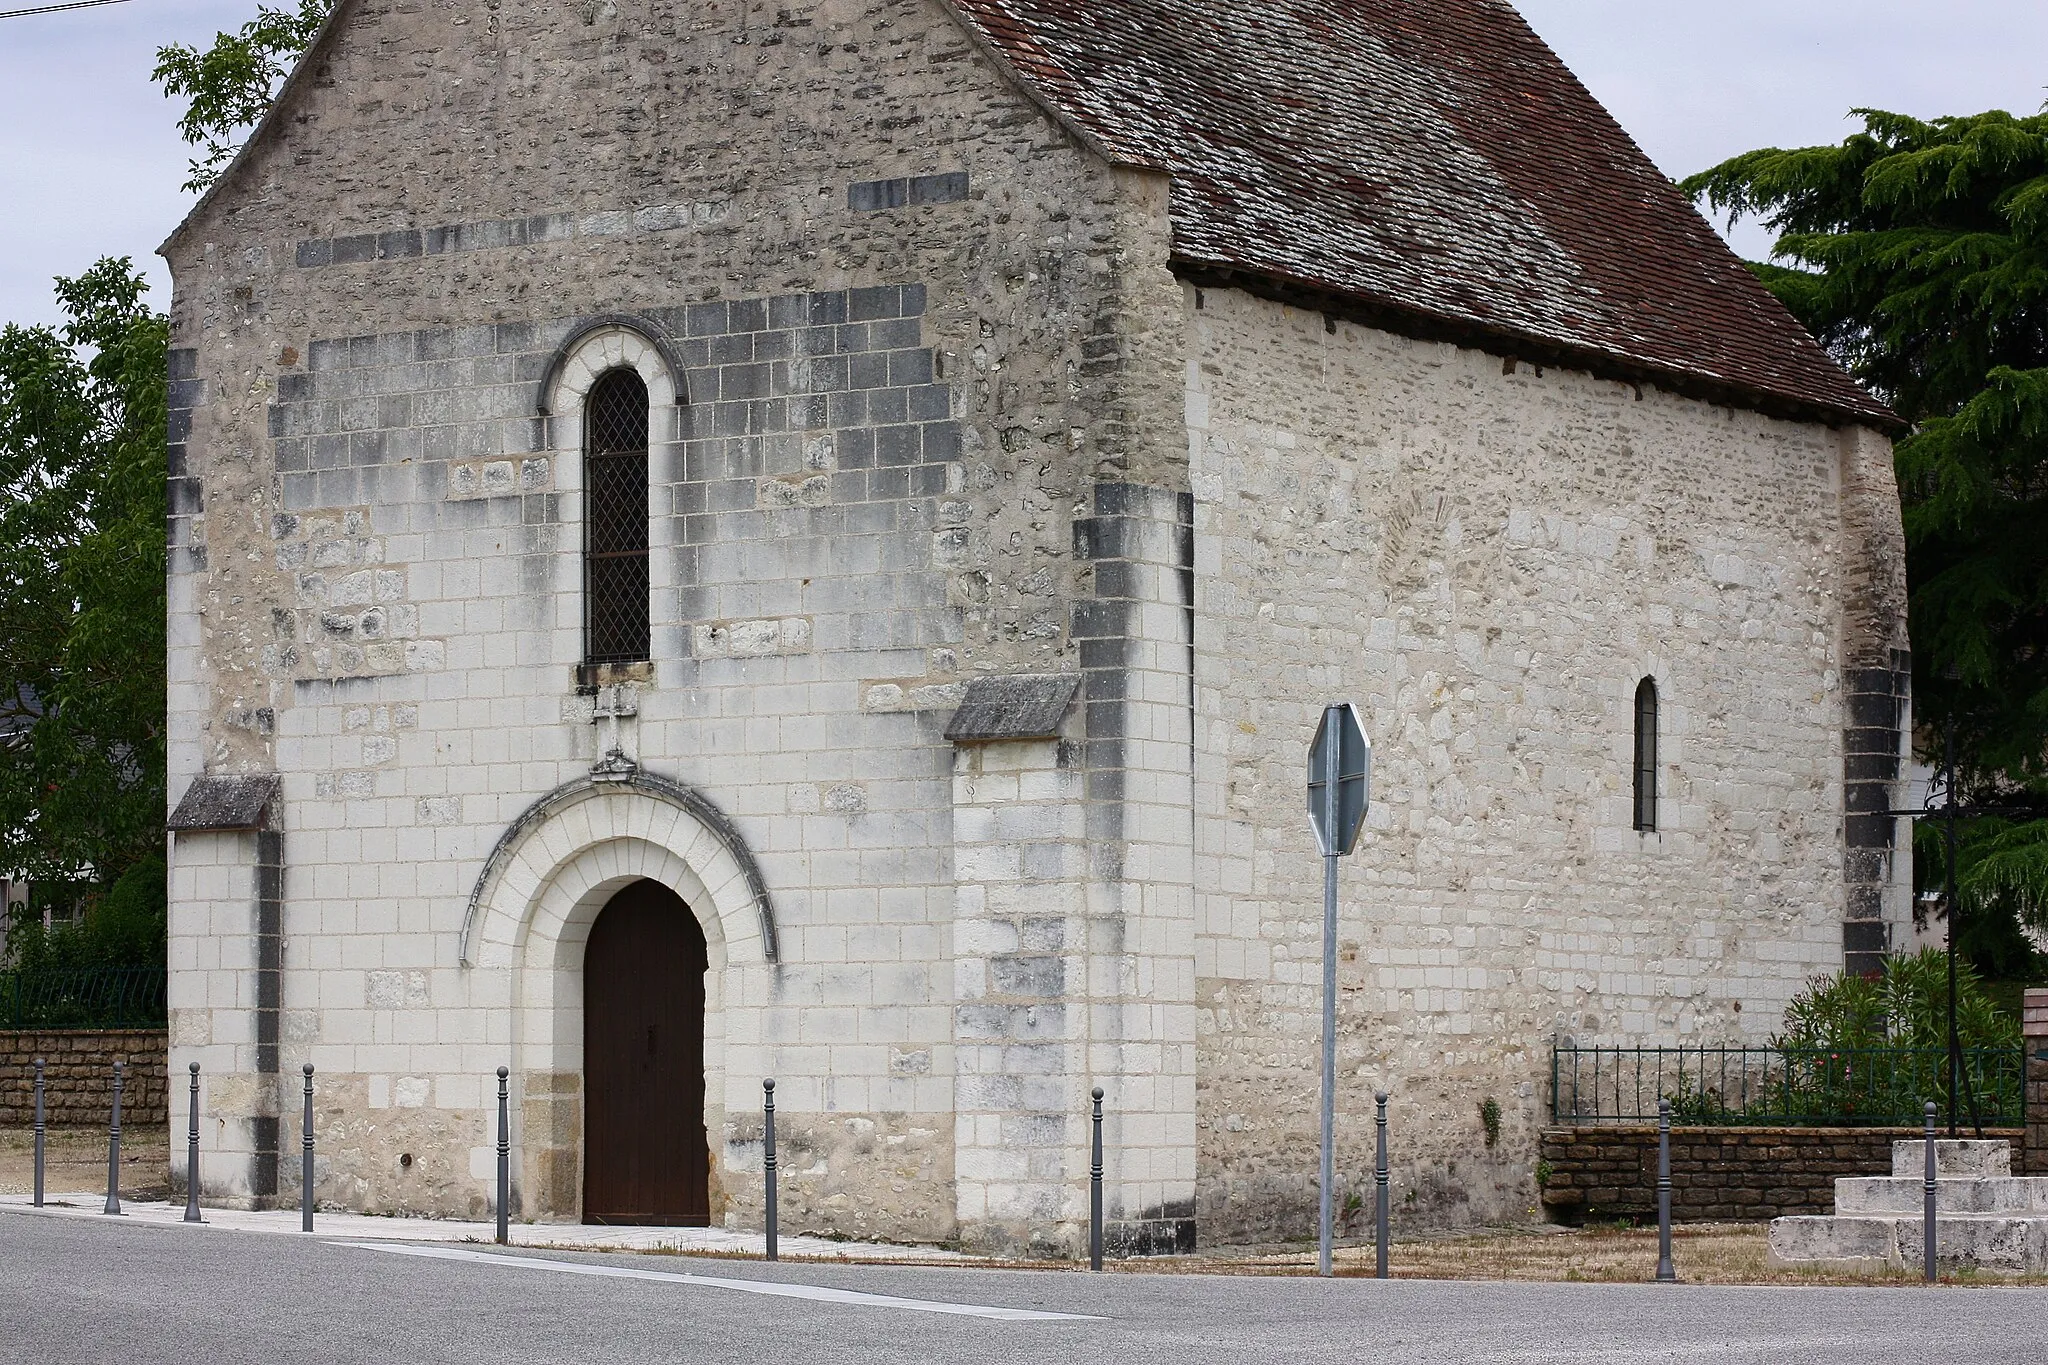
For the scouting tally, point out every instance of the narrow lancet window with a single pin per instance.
(1646, 754)
(615, 520)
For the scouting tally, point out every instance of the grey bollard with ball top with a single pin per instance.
(39, 1132)
(768, 1162)
(114, 1146)
(1095, 1186)
(1666, 1272)
(504, 1155)
(1928, 1221)
(1380, 1219)
(306, 1159)
(192, 1151)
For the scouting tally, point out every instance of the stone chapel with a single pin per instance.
(714, 541)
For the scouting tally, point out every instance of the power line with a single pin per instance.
(52, 9)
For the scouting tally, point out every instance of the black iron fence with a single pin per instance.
(86, 997)
(1790, 1087)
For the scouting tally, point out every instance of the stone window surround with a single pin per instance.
(616, 343)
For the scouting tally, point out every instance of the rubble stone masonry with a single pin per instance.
(1487, 557)
(1744, 1175)
(78, 1077)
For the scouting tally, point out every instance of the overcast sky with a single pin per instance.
(90, 163)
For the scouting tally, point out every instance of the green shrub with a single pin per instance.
(1904, 1006)
(1876, 1048)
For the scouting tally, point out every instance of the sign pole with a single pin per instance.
(1329, 1131)
(1339, 781)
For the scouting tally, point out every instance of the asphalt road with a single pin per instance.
(76, 1291)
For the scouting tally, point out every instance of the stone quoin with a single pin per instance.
(905, 477)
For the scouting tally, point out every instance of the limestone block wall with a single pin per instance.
(1487, 558)
(1743, 1175)
(1136, 637)
(223, 1004)
(1021, 954)
(893, 409)
(78, 1076)
(1877, 719)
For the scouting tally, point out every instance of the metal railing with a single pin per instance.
(1787, 1087)
(84, 997)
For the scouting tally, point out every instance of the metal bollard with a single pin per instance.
(114, 1146)
(768, 1163)
(192, 1152)
(1666, 1272)
(1095, 1187)
(1928, 1221)
(306, 1160)
(1380, 1234)
(504, 1154)
(39, 1132)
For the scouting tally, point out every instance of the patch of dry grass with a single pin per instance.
(75, 1161)
(1702, 1253)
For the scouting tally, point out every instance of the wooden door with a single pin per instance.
(646, 1158)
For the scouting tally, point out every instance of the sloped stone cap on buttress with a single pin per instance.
(235, 801)
(1430, 163)
(1019, 706)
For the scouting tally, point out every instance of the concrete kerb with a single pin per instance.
(554, 1236)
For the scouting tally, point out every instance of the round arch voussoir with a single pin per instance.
(640, 826)
(603, 342)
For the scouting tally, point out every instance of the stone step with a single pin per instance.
(1989, 1242)
(1952, 1156)
(1952, 1194)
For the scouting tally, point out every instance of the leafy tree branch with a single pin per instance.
(82, 509)
(1917, 252)
(231, 85)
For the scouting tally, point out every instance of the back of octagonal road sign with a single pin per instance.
(1341, 736)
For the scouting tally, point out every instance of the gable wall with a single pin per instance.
(896, 415)
(1487, 559)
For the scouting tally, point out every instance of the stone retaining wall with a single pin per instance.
(2034, 1154)
(1717, 1174)
(78, 1076)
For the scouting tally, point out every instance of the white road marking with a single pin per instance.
(815, 1293)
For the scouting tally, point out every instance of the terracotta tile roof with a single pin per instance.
(1430, 164)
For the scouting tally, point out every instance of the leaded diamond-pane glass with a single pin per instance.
(615, 522)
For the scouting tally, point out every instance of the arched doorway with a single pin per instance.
(646, 1157)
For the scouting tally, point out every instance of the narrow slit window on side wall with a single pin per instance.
(1646, 754)
(615, 519)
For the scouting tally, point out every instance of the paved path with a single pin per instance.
(79, 1290)
(569, 1236)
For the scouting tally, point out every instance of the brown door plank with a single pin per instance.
(646, 1156)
